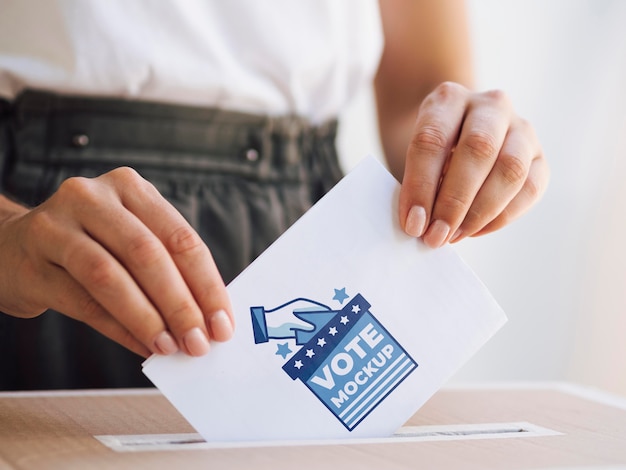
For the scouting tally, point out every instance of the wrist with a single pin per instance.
(10, 209)
(12, 299)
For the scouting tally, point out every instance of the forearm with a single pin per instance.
(9, 211)
(396, 125)
(426, 43)
(395, 131)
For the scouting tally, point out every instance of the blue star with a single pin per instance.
(340, 295)
(283, 350)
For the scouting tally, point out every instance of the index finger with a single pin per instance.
(482, 135)
(189, 253)
(436, 130)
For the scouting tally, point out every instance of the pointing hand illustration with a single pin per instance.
(297, 319)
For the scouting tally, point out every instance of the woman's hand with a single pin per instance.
(472, 166)
(113, 253)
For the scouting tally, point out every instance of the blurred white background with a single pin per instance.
(559, 272)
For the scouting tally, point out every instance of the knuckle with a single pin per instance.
(453, 203)
(448, 90)
(183, 239)
(525, 126)
(428, 140)
(478, 216)
(472, 218)
(125, 178)
(212, 295)
(144, 250)
(526, 129)
(532, 189)
(178, 319)
(125, 174)
(480, 146)
(129, 177)
(75, 187)
(498, 96)
(445, 92)
(504, 218)
(99, 272)
(422, 185)
(213, 291)
(90, 310)
(512, 169)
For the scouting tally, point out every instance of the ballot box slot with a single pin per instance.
(192, 441)
(472, 431)
(468, 432)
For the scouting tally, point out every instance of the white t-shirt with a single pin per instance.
(307, 57)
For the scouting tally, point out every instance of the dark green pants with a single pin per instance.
(239, 179)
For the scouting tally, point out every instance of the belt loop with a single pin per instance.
(293, 129)
(267, 148)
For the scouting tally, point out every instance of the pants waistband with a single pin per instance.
(55, 129)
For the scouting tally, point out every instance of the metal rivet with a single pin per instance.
(252, 155)
(80, 140)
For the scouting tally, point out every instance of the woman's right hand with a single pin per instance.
(113, 253)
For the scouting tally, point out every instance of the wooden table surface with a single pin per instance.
(50, 430)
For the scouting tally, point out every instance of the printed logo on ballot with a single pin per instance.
(345, 357)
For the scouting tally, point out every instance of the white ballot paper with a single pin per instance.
(345, 327)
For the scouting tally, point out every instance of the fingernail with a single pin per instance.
(458, 234)
(436, 234)
(165, 344)
(220, 325)
(196, 342)
(415, 221)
